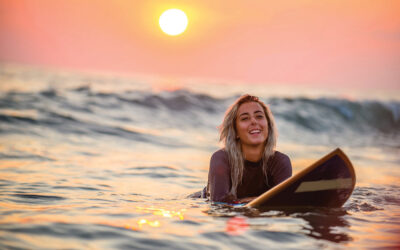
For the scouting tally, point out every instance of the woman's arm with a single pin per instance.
(219, 180)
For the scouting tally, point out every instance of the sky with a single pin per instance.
(302, 42)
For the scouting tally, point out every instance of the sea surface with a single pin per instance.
(96, 161)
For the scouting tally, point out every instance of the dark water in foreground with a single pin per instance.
(87, 162)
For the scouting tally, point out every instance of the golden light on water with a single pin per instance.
(139, 224)
(143, 222)
(155, 220)
(163, 212)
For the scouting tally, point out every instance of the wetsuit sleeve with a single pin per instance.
(219, 180)
(281, 169)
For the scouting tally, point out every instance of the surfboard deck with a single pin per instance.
(328, 182)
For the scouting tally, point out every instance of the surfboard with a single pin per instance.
(328, 182)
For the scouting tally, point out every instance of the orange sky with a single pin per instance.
(321, 43)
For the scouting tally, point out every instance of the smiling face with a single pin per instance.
(251, 124)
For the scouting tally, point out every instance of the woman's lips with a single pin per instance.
(255, 131)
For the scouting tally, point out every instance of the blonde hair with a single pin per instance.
(233, 148)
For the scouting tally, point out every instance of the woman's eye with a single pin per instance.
(260, 116)
(244, 118)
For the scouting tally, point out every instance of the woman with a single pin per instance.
(248, 165)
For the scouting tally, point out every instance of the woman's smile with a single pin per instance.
(255, 131)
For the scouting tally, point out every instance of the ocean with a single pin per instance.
(96, 161)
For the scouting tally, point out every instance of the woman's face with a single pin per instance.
(251, 124)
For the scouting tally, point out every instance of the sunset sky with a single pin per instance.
(320, 43)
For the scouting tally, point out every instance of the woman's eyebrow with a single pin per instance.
(245, 113)
(255, 112)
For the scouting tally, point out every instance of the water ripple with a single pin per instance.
(39, 197)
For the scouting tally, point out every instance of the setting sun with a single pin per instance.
(173, 22)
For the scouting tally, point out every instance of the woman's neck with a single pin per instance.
(253, 154)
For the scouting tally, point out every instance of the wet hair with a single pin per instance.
(228, 135)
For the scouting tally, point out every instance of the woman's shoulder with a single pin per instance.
(280, 168)
(220, 154)
(219, 161)
(281, 158)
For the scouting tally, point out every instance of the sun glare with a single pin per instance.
(173, 22)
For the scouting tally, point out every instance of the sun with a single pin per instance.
(173, 22)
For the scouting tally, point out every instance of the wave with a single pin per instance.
(315, 114)
(325, 114)
(129, 114)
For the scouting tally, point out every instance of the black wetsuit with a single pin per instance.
(253, 181)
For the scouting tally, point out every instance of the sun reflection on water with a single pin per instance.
(138, 225)
(143, 222)
(163, 212)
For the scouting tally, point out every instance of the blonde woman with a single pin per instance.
(248, 165)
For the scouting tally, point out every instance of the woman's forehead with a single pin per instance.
(250, 107)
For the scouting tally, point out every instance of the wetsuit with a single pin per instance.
(253, 182)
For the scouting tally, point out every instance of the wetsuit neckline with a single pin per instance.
(252, 164)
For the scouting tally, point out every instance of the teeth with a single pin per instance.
(254, 131)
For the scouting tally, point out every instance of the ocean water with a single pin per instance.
(94, 161)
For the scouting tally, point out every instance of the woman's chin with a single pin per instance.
(255, 143)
